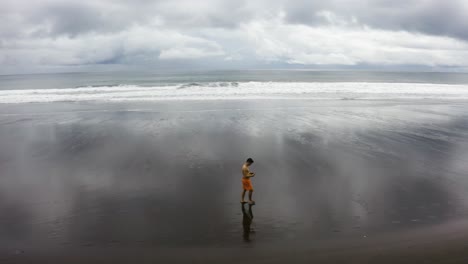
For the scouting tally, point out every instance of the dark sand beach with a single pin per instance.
(344, 181)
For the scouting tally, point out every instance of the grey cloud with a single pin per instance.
(75, 18)
(442, 18)
(72, 17)
(334, 32)
(58, 17)
(446, 18)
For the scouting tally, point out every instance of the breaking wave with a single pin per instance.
(241, 90)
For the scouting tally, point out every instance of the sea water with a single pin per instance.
(151, 86)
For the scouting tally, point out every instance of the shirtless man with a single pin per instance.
(246, 183)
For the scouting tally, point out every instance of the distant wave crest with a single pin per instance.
(211, 84)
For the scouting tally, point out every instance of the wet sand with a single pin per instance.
(352, 181)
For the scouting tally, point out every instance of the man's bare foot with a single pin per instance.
(242, 201)
(251, 202)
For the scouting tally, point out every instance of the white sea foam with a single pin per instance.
(242, 90)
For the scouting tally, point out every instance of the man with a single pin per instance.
(246, 183)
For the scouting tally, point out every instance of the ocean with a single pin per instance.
(231, 85)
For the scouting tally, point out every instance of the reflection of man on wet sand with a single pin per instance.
(246, 183)
(247, 221)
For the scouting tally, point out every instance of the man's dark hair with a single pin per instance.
(250, 160)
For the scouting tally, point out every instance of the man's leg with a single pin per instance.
(250, 195)
(242, 196)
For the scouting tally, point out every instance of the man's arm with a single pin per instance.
(247, 173)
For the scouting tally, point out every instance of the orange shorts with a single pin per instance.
(247, 184)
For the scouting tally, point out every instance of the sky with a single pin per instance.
(88, 35)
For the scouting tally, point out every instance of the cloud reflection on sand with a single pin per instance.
(167, 177)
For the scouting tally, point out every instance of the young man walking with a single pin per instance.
(246, 183)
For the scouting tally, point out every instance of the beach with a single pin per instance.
(360, 181)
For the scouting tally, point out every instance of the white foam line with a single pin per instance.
(245, 90)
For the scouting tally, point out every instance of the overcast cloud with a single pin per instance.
(60, 35)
